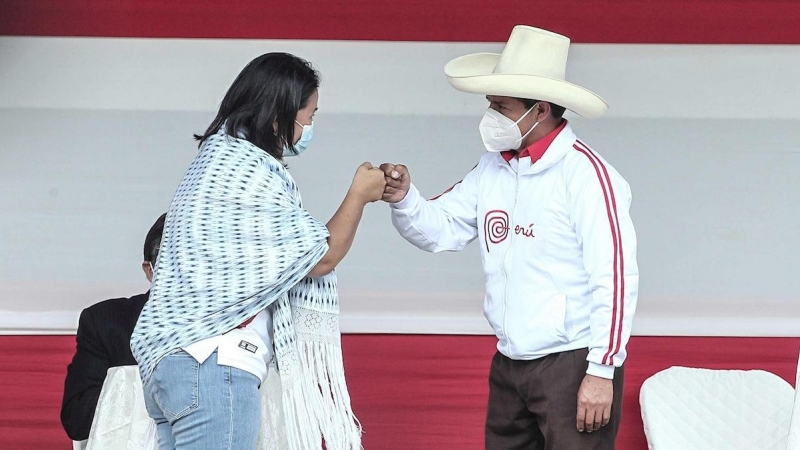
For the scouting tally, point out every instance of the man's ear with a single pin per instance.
(542, 111)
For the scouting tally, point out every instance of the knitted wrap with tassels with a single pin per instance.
(236, 241)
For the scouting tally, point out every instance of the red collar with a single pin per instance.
(536, 150)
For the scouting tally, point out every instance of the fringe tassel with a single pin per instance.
(317, 405)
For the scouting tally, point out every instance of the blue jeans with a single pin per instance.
(203, 406)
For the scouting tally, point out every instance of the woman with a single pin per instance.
(245, 274)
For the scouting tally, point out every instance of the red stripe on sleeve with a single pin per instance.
(619, 283)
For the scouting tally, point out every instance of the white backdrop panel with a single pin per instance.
(97, 133)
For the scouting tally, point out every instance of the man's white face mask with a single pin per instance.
(499, 133)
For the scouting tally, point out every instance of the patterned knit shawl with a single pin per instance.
(236, 241)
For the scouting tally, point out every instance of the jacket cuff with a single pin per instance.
(409, 201)
(600, 370)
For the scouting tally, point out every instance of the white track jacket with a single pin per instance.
(557, 244)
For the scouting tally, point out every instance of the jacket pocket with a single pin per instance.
(538, 326)
(555, 314)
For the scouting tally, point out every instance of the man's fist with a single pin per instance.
(398, 181)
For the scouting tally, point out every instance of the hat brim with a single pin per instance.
(473, 74)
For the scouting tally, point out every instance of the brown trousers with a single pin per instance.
(533, 404)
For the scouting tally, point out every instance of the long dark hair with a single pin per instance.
(270, 89)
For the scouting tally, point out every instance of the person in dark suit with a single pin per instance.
(103, 341)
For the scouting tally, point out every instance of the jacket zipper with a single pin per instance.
(505, 264)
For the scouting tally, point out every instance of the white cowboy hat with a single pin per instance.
(532, 66)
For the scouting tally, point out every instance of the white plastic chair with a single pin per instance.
(793, 443)
(121, 421)
(700, 409)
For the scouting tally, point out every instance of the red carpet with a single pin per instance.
(410, 392)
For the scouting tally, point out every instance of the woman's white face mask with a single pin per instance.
(302, 144)
(499, 133)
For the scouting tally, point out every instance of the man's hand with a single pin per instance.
(594, 403)
(398, 181)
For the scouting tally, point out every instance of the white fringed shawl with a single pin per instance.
(236, 241)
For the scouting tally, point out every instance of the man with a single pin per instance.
(558, 245)
(104, 335)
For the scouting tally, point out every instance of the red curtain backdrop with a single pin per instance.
(594, 21)
(410, 392)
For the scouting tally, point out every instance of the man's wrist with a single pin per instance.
(600, 370)
(408, 201)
